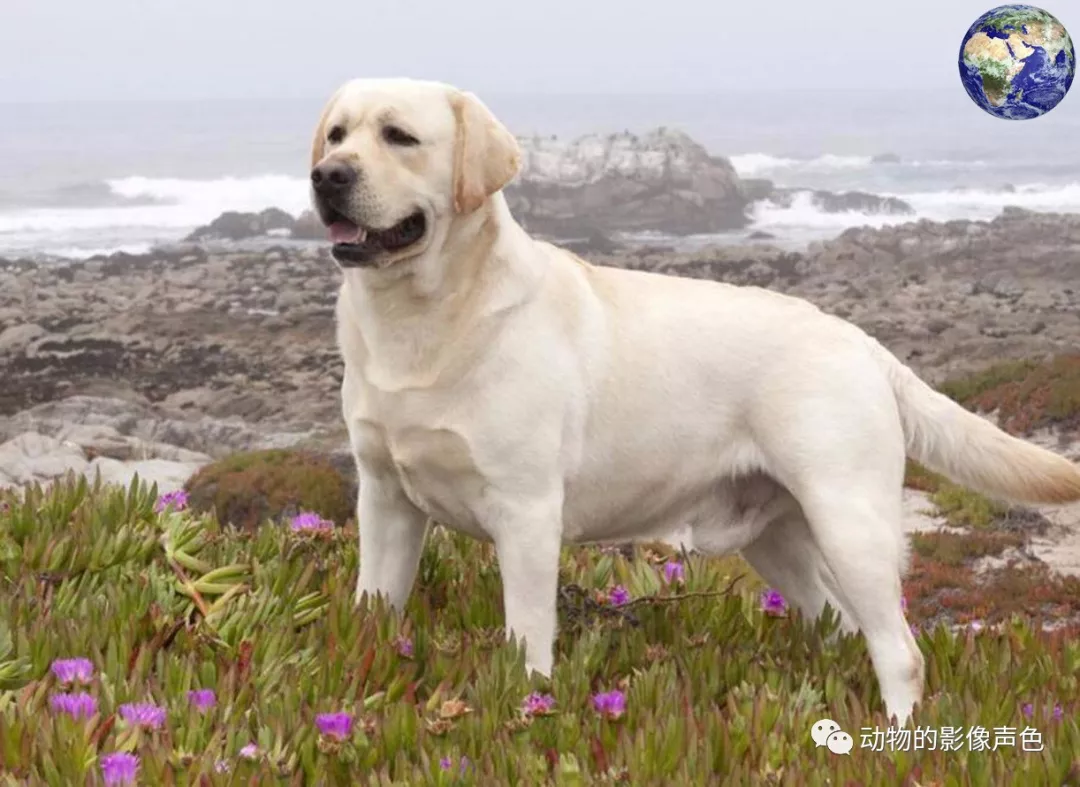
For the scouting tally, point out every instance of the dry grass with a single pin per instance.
(1027, 395)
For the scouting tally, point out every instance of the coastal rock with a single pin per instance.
(52, 447)
(662, 181)
(125, 430)
(102, 440)
(757, 188)
(169, 476)
(592, 242)
(31, 457)
(19, 336)
(308, 227)
(842, 202)
(1000, 284)
(215, 351)
(234, 226)
(1015, 212)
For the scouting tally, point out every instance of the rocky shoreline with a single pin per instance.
(247, 333)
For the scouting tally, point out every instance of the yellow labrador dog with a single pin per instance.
(518, 394)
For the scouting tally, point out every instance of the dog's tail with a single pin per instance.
(967, 448)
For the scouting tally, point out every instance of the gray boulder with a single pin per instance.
(31, 457)
(19, 336)
(662, 181)
(233, 226)
(308, 227)
(843, 202)
(123, 430)
(169, 476)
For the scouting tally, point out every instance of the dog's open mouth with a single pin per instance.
(355, 246)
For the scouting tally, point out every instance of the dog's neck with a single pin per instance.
(400, 323)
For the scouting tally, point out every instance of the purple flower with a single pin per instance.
(1029, 710)
(202, 699)
(177, 500)
(446, 763)
(618, 596)
(335, 725)
(404, 646)
(308, 521)
(119, 768)
(611, 703)
(249, 752)
(772, 602)
(78, 670)
(674, 572)
(538, 704)
(143, 714)
(80, 705)
(221, 766)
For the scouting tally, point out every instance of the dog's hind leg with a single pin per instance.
(841, 455)
(786, 556)
(863, 549)
(759, 517)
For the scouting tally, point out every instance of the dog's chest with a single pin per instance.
(434, 466)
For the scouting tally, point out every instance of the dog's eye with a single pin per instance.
(337, 133)
(395, 136)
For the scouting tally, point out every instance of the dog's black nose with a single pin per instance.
(332, 177)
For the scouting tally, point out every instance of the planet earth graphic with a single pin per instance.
(1017, 62)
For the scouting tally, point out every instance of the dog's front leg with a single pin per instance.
(392, 532)
(528, 552)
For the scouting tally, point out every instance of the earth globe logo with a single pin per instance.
(1017, 62)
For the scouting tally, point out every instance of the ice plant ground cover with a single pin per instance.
(198, 652)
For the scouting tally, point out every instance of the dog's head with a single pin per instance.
(396, 162)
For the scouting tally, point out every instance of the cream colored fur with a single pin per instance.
(513, 392)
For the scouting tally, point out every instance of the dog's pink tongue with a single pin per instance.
(345, 232)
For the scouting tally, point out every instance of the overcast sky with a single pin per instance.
(115, 49)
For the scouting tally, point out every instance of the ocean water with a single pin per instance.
(82, 179)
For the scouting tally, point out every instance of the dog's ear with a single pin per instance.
(318, 144)
(486, 154)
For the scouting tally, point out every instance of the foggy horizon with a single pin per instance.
(124, 50)
(130, 124)
(322, 96)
